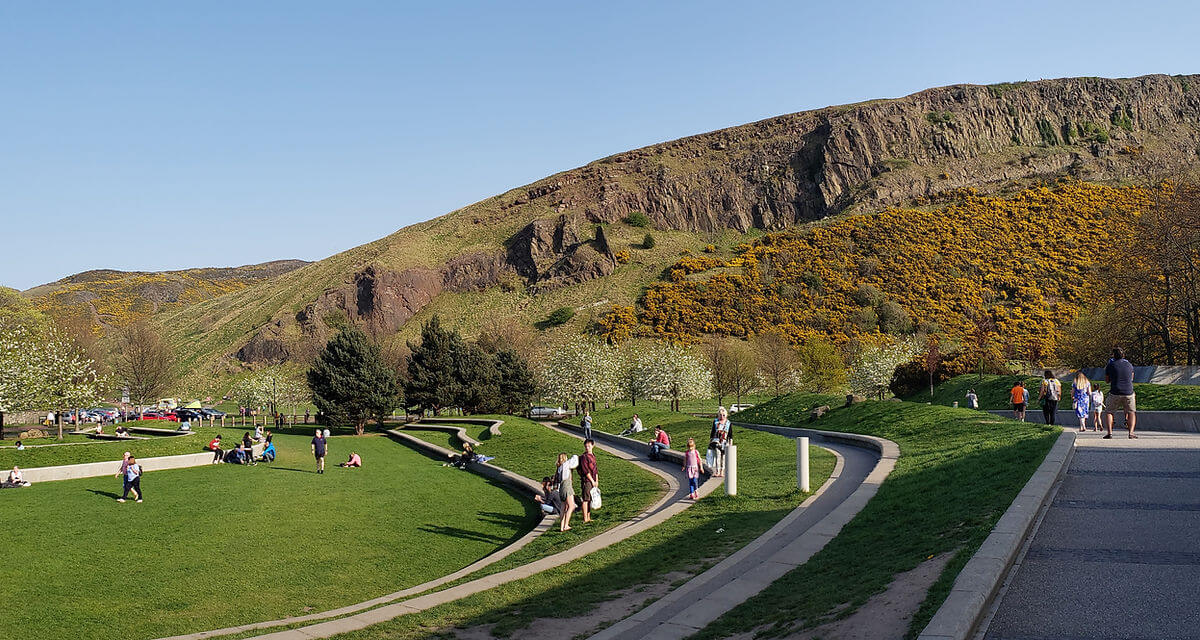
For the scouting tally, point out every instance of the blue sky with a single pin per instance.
(166, 135)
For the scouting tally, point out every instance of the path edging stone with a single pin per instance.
(109, 467)
(979, 581)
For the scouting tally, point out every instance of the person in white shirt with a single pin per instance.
(566, 489)
(1097, 406)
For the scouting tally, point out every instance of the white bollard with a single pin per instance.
(802, 464)
(731, 470)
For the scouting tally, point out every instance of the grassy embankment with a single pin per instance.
(682, 546)
(228, 544)
(958, 472)
(993, 393)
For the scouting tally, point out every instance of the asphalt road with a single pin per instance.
(1117, 554)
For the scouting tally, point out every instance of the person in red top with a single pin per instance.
(661, 441)
(591, 479)
(215, 447)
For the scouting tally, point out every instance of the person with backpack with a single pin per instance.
(972, 399)
(1050, 393)
(691, 468)
(133, 480)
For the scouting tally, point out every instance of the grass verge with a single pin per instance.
(958, 472)
(682, 546)
(993, 393)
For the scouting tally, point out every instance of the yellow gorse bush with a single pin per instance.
(1024, 263)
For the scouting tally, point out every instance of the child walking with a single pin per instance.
(691, 467)
(1081, 395)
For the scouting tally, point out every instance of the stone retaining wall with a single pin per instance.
(110, 467)
(1170, 421)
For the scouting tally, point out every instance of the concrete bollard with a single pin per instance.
(802, 464)
(731, 470)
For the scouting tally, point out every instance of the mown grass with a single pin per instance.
(958, 472)
(993, 393)
(227, 544)
(684, 545)
(531, 450)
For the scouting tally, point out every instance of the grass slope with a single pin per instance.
(993, 393)
(958, 472)
(226, 544)
(687, 543)
(102, 450)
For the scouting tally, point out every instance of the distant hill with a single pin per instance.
(107, 298)
(564, 240)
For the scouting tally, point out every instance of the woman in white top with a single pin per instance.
(718, 440)
(566, 490)
(1097, 406)
(15, 479)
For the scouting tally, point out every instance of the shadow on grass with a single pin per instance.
(466, 534)
(274, 468)
(503, 518)
(106, 494)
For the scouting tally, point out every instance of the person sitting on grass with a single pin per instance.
(121, 431)
(239, 455)
(15, 478)
(549, 497)
(354, 461)
(268, 454)
(20, 445)
(468, 455)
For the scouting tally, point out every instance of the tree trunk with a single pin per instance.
(1, 425)
(58, 418)
(360, 427)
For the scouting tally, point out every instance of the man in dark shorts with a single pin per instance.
(589, 473)
(318, 449)
(1119, 373)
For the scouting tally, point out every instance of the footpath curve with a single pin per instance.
(670, 504)
(864, 462)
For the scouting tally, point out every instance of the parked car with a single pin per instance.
(159, 415)
(212, 413)
(189, 414)
(108, 412)
(547, 413)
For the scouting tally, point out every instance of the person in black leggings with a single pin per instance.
(133, 481)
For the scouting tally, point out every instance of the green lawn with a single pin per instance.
(531, 450)
(993, 393)
(102, 450)
(958, 471)
(221, 545)
(689, 542)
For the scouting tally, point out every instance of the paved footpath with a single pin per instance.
(789, 544)
(1117, 554)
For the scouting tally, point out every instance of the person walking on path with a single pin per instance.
(1081, 398)
(1019, 397)
(691, 468)
(565, 488)
(1050, 393)
(589, 476)
(133, 481)
(587, 425)
(661, 441)
(319, 450)
(972, 399)
(1118, 373)
(1097, 407)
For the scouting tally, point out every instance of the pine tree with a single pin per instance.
(432, 383)
(478, 380)
(350, 382)
(517, 384)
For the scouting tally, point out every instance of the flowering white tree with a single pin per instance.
(270, 387)
(18, 366)
(583, 370)
(64, 376)
(673, 373)
(874, 367)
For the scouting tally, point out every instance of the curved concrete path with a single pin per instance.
(674, 501)
(1115, 554)
(863, 464)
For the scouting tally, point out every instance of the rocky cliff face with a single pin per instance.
(796, 168)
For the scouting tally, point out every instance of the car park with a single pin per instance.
(159, 415)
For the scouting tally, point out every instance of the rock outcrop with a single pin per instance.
(782, 172)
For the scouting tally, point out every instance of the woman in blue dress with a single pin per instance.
(1081, 394)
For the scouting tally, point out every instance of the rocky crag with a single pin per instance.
(768, 175)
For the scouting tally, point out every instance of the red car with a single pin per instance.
(159, 415)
